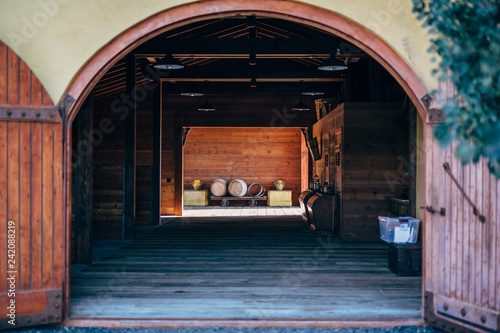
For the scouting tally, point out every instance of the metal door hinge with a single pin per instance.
(431, 210)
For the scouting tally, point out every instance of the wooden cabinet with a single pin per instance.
(279, 198)
(196, 198)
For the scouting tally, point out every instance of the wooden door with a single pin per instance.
(461, 244)
(31, 199)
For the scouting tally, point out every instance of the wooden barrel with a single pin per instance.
(219, 187)
(237, 188)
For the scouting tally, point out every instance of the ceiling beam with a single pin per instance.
(297, 47)
(240, 70)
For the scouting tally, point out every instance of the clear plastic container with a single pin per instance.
(398, 229)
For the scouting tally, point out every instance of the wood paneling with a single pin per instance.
(107, 211)
(240, 110)
(461, 255)
(129, 169)
(31, 180)
(375, 161)
(143, 196)
(83, 185)
(261, 155)
(157, 154)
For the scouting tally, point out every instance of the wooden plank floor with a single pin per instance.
(243, 268)
(240, 211)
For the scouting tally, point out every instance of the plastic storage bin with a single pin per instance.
(398, 229)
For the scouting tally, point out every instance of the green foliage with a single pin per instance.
(466, 34)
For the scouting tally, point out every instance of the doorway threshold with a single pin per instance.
(241, 323)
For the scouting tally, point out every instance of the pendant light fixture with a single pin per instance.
(312, 90)
(206, 107)
(168, 63)
(253, 83)
(252, 59)
(192, 91)
(332, 64)
(300, 106)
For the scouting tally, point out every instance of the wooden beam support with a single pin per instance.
(238, 70)
(242, 47)
(179, 170)
(156, 172)
(129, 169)
(412, 171)
(83, 185)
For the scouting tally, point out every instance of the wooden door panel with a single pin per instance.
(462, 280)
(31, 202)
(31, 198)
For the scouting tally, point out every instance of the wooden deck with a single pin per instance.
(241, 211)
(243, 268)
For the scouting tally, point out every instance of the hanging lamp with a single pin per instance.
(332, 64)
(192, 91)
(168, 63)
(312, 90)
(207, 107)
(300, 106)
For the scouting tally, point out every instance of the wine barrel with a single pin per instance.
(237, 188)
(219, 187)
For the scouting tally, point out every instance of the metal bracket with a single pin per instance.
(431, 210)
(51, 314)
(45, 114)
(64, 107)
(447, 169)
(435, 314)
(436, 115)
(426, 99)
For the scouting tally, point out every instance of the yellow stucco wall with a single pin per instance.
(57, 37)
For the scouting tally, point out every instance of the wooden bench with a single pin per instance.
(252, 201)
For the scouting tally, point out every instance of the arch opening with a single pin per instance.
(92, 75)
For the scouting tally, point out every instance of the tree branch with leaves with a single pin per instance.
(466, 36)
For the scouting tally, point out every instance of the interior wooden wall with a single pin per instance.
(261, 155)
(375, 157)
(375, 164)
(109, 157)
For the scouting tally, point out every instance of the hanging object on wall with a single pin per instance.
(314, 149)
